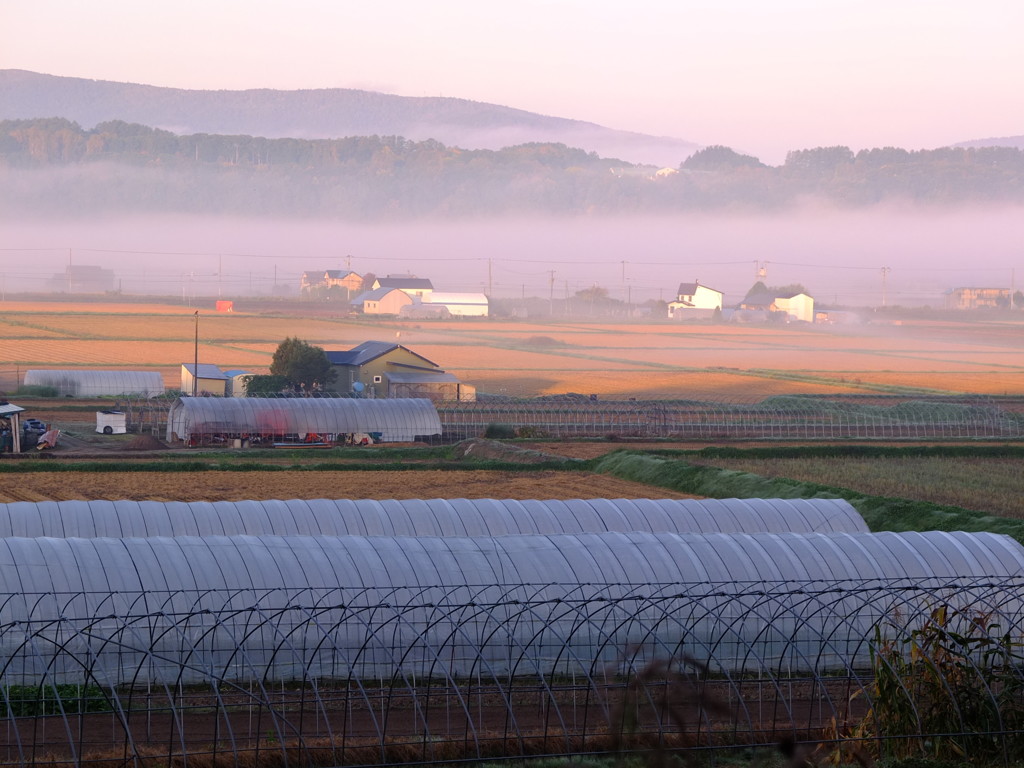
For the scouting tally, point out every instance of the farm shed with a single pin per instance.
(270, 419)
(429, 517)
(459, 304)
(204, 379)
(369, 608)
(75, 383)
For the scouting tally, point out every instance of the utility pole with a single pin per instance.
(195, 368)
(551, 294)
(885, 273)
(490, 285)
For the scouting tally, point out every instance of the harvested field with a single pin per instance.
(721, 362)
(234, 486)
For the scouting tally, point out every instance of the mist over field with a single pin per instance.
(838, 256)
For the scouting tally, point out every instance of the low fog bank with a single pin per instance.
(864, 258)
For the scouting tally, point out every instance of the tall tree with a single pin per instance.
(303, 365)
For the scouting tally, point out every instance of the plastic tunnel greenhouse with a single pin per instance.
(430, 517)
(76, 383)
(201, 419)
(290, 607)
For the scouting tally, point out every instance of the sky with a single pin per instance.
(761, 77)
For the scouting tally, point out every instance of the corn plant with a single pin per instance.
(950, 689)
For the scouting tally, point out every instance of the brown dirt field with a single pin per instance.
(235, 486)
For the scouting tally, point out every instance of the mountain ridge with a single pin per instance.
(320, 113)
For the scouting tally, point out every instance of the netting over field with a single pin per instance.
(804, 417)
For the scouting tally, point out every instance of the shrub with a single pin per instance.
(36, 390)
(500, 432)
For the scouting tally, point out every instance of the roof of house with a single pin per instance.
(403, 283)
(338, 274)
(367, 351)
(205, 371)
(688, 289)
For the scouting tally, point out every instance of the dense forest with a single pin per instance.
(55, 166)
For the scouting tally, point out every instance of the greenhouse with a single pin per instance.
(81, 383)
(196, 420)
(291, 607)
(332, 651)
(430, 517)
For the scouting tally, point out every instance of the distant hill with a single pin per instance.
(321, 113)
(1007, 141)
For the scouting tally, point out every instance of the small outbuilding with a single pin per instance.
(459, 304)
(204, 379)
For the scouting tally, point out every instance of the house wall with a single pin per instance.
(390, 304)
(463, 310)
(799, 307)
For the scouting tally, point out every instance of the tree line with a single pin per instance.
(54, 165)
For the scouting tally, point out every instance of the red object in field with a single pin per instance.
(225, 306)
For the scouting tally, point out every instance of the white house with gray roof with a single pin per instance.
(694, 300)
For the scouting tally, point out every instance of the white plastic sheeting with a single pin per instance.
(430, 517)
(76, 383)
(396, 419)
(188, 609)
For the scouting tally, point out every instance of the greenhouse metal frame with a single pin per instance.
(797, 417)
(94, 699)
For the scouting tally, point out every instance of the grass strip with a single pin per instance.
(879, 512)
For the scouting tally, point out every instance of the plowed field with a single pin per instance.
(234, 486)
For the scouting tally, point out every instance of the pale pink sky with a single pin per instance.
(761, 76)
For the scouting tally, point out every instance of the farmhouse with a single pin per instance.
(694, 300)
(977, 298)
(327, 283)
(382, 301)
(796, 306)
(383, 369)
(83, 278)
